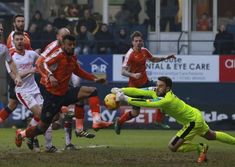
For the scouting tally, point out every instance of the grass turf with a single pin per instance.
(133, 148)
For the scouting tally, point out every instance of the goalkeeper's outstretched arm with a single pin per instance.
(150, 103)
(134, 92)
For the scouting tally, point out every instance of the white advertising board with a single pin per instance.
(185, 68)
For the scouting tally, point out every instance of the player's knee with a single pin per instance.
(210, 135)
(56, 125)
(93, 91)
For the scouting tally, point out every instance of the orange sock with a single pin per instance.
(125, 117)
(94, 104)
(79, 114)
(4, 113)
(31, 132)
(159, 116)
(79, 124)
(36, 130)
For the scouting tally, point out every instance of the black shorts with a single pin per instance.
(52, 104)
(11, 90)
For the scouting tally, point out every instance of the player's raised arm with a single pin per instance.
(158, 59)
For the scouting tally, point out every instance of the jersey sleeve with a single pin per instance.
(8, 57)
(35, 54)
(83, 74)
(126, 58)
(159, 102)
(148, 54)
(51, 64)
(5, 53)
(134, 92)
(9, 41)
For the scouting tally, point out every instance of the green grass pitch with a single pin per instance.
(133, 148)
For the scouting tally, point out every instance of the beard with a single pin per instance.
(69, 53)
(161, 94)
(19, 29)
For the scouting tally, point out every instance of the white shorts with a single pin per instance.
(30, 100)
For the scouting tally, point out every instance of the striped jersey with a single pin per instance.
(62, 66)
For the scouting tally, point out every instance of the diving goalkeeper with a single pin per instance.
(190, 117)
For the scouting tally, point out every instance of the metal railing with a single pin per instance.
(180, 47)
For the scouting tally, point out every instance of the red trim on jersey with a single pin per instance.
(22, 100)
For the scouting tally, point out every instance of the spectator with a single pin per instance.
(123, 16)
(104, 40)
(204, 23)
(227, 19)
(223, 43)
(35, 36)
(38, 20)
(88, 21)
(122, 41)
(134, 7)
(85, 41)
(72, 10)
(169, 10)
(151, 12)
(61, 21)
(48, 35)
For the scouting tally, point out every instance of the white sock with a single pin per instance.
(68, 135)
(48, 137)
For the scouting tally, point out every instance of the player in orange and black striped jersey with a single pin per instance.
(59, 68)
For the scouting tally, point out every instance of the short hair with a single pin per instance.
(136, 34)
(166, 80)
(63, 30)
(18, 33)
(69, 37)
(16, 16)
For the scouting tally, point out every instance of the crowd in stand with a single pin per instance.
(93, 36)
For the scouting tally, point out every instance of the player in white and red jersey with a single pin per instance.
(11, 68)
(6, 59)
(18, 23)
(4, 53)
(28, 93)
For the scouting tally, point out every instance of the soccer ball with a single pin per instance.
(110, 101)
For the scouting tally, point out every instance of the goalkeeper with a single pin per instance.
(190, 117)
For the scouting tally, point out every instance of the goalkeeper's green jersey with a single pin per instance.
(170, 104)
